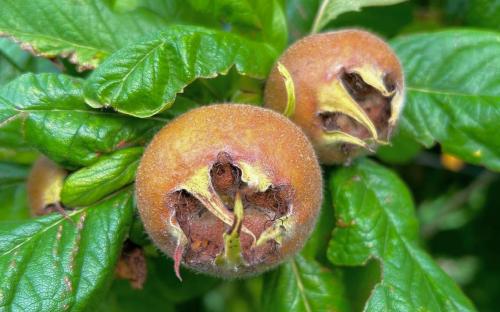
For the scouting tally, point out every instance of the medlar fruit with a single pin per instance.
(349, 91)
(229, 190)
(44, 187)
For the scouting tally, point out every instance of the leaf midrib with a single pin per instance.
(69, 215)
(432, 134)
(60, 110)
(451, 93)
(44, 37)
(405, 243)
(300, 285)
(43, 230)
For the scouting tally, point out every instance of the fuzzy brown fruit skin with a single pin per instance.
(320, 63)
(258, 143)
(44, 186)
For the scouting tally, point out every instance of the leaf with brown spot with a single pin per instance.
(72, 262)
(49, 112)
(84, 31)
(386, 229)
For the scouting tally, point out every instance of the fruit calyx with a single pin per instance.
(356, 107)
(238, 197)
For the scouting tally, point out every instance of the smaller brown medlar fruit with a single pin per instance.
(230, 190)
(348, 88)
(44, 187)
(132, 265)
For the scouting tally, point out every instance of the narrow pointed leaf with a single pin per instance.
(14, 62)
(108, 174)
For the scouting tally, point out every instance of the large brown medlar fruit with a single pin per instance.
(349, 91)
(229, 190)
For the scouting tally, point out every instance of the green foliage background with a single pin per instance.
(88, 83)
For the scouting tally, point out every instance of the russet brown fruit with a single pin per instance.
(349, 91)
(229, 190)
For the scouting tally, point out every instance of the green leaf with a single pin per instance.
(483, 13)
(14, 61)
(143, 79)
(265, 17)
(13, 147)
(161, 290)
(302, 284)
(231, 87)
(13, 203)
(52, 264)
(401, 150)
(300, 15)
(452, 93)
(108, 174)
(51, 114)
(171, 11)
(18, 155)
(376, 219)
(317, 243)
(181, 106)
(372, 19)
(330, 9)
(454, 208)
(161, 276)
(85, 30)
(12, 173)
(123, 298)
(10, 135)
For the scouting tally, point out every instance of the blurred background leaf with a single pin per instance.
(261, 20)
(14, 62)
(162, 290)
(14, 200)
(331, 9)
